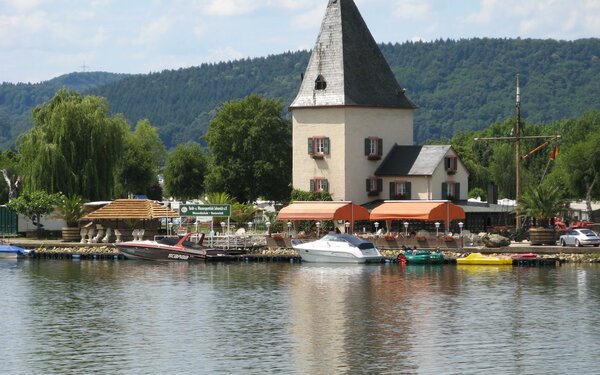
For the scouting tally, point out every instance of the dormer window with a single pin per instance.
(451, 164)
(320, 83)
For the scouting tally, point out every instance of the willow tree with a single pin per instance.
(74, 147)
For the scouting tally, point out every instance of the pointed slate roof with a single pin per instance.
(348, 59)
(412, 160)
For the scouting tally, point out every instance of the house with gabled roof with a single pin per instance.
(353, 123)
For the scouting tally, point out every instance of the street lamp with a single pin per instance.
(249, 226)
(268, 224)
(223, 227)
(406, 229)
(460, 226)
(437, 229)
(347, 224)
(289, 225)
(318, 224)
(376, 226)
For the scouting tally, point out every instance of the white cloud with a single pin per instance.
(412, 9)
(560, 19)
(230, 7)
(153, 31)
(225, 54)
(309, 19)
(23, 5)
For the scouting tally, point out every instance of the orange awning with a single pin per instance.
(418, 210)
(323, 211)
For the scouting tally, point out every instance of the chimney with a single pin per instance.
(492, 194)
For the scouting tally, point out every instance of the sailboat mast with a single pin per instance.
(518, 152)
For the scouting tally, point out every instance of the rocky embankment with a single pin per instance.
(111, 250)
(567, 258)
(98, 250)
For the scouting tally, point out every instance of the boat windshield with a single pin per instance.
(356, 241)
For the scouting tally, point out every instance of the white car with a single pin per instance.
(580, 237)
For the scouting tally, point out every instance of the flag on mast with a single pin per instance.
(554, 152)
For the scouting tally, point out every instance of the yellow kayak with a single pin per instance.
(480, 259)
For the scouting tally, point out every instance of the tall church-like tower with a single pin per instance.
(349, 111)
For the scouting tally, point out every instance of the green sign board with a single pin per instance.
(205, 210)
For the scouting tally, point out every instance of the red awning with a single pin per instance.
(347, 211)
(418, 210)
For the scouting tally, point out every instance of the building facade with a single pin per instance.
(353, 123)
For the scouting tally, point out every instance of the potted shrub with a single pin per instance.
(71, 210)
(542, 203)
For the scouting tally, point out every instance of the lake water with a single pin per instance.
(129, 317)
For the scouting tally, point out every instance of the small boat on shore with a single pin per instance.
(172, 249)
(420, 257)
(13, 252)
(338, 248)
(480, 259)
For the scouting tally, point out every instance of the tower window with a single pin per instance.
(320, 83)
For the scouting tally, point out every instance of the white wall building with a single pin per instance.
(353, 124)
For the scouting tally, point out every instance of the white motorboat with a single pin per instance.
(338, 248)
(13, 252)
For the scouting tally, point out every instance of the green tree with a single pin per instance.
(301, 195)
(578, 169)
(144, 152)
(36, 203)
(241, 213)
(71, 209)
(184, 172)
(250, 147)
(542, 203)
(73, 148)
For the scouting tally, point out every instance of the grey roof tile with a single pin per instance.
(412, 160)
(348, 58)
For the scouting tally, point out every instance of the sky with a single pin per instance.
(42, 39)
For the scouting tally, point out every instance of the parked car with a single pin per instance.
(580, 237)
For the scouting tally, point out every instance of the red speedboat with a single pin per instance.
(172, 249)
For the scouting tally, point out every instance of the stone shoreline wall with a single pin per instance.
(111, 250)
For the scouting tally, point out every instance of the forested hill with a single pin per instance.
(458, 85)
(182, 102)
(17, 100)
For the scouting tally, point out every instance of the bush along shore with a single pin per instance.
(391, 254)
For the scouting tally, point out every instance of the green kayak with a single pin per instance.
(420, 257)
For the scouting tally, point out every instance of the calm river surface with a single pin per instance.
(129, 317)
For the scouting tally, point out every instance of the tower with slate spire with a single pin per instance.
(349, 112)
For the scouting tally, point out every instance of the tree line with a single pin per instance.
(77, 148)
(459, 86)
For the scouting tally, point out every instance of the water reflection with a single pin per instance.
(142, 317)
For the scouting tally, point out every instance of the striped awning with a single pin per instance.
(346, 211)
(418, 210)
(141, 209)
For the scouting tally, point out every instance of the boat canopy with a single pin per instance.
(418, 210)
(346, 211)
